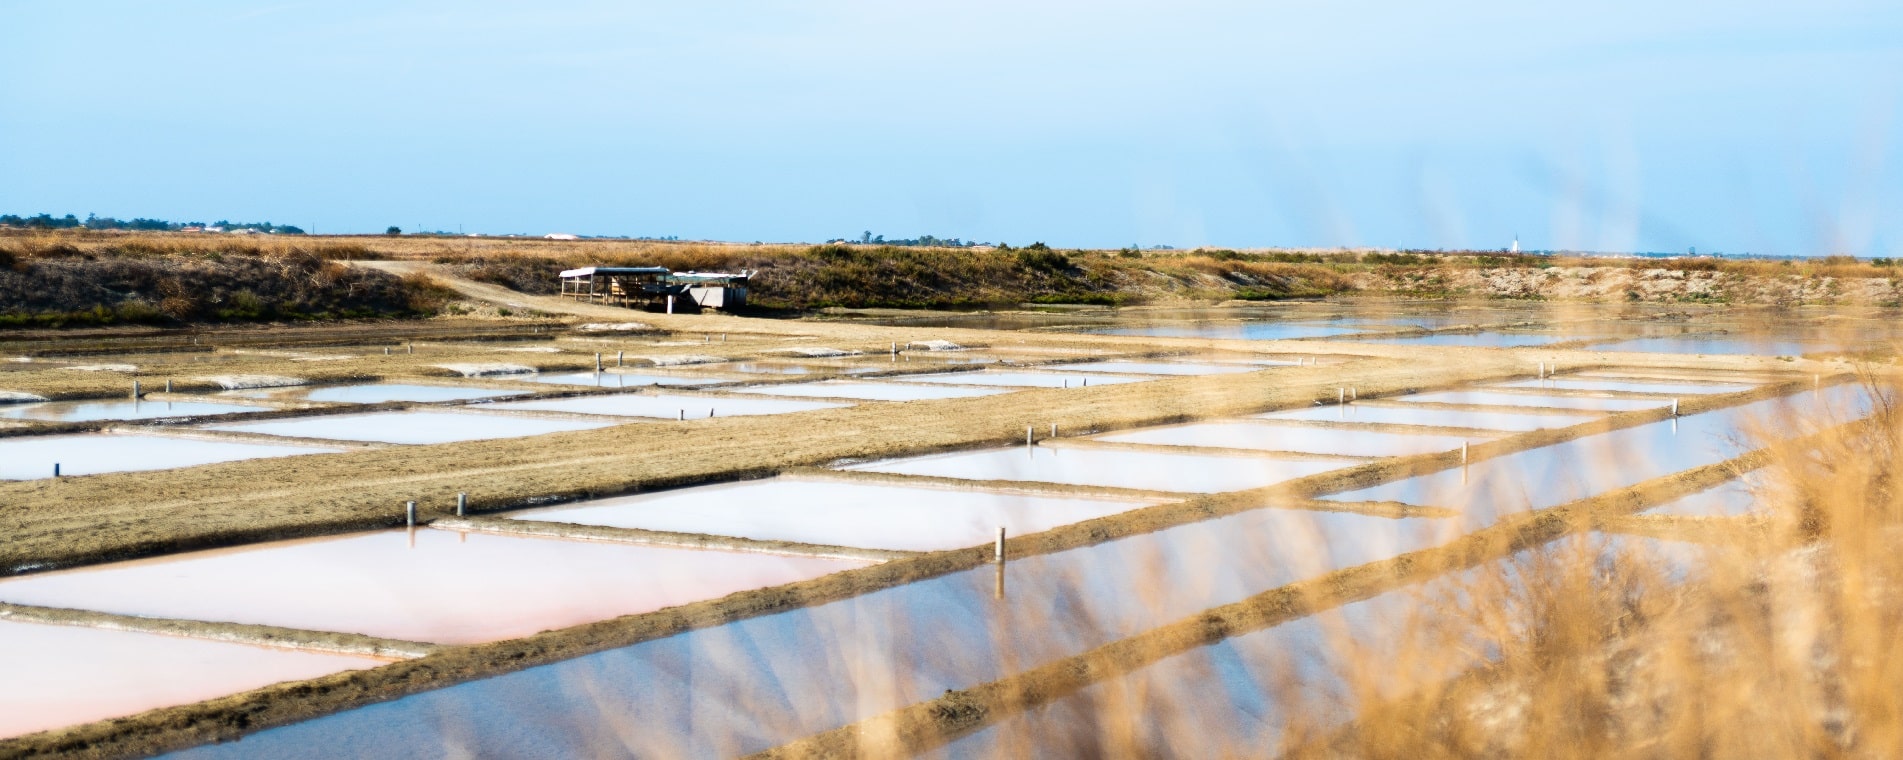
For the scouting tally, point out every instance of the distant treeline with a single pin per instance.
(922, 241)
(92, 222)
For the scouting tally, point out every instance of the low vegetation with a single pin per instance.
(802, 277)
(53, 284)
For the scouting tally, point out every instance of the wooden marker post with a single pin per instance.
(409, 513)
(462, 503)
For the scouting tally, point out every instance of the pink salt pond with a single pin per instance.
(447, 588)
(58, 676)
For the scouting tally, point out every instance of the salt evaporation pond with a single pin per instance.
(58, 676)
(776, 368)
(444, 588)
(1624, 386)
(1235, 697)
(1388, 414)
(1023, 379)
(1232, 330)
(872, 391)
(410, 427)
(33, 457)
(1583, 467)
(754, 684)
(1266, 436)
(619, 379)
(839, 513)
(1503, 398)
(127, 409)
(375, 393)
(1154, 368)
(1107, 466)
(1728, 345)
(1473, 340)
(669, 406)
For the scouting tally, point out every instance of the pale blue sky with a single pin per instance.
(1749, 125)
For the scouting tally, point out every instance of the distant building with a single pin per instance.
(561, 236)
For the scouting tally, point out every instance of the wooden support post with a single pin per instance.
(1674, 407)
(462, 503)
(168, 385)
(409, 513)
(1463, 452)
(55, 469)
(597, 361)
(1027, 435)
(998, 554)
(1053, 430)
(135, 390)
(618, 357)
(1341, 395)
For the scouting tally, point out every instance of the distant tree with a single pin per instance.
(865, 237)
(394, 230)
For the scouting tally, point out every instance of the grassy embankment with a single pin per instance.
(51, 282)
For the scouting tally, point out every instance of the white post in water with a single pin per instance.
(462, 503)
(386, 350)
(409, 513)
(895, 348)
(1674, 407)
(1341, 395)
(683, 415)
(1463, 452)
(618, 357)
(998, 554)
(135, 390)
(1053, 430)
(1027, 434)
(597, 362)
(1354, 394)
(710, 414)
(168, 385)
(410, 347)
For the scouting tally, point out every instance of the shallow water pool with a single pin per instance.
(375, 393)
(33, 457)
(127, 409)
(1625, 386)
(1545, 401)
(620, 379)
(445, 588)
(1108, 466)
(58, 676)
(1024, 379)
(1384, 414)
(410, 427)
(838, 513)
(1267, 436)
